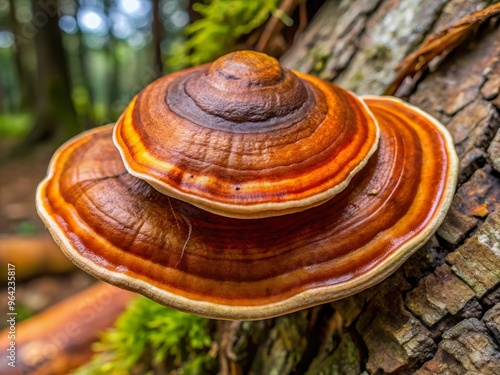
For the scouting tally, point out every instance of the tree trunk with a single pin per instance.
(157, 38)
(55, 112)
(24, 74)
(440, 312)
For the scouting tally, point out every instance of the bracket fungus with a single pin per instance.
(243, 190)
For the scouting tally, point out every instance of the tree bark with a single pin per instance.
(440, 312)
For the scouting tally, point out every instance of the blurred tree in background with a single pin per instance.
(69, 65)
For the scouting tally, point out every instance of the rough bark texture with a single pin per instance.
(440, 312)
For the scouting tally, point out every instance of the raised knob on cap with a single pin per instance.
(246, 68)
(243, 86)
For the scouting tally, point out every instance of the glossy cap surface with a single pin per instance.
(118, 228)
(245, 138)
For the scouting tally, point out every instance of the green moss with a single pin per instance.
(339, 358)
(356, 79)
(379, 54)
(318, 58)
(148, 337)
(281, 351)
(216, 33)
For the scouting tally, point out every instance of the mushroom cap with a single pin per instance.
(243, 137)
(119, 229)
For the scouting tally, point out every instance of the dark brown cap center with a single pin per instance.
(242, 87)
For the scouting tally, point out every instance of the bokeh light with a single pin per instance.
(180, 18)
(6, 39)
(135, 8)
(121, 27)
(92, 21)
(68, 24)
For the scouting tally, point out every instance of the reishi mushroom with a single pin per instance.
(245, 138)
(243, 190)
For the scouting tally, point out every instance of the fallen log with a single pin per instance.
(59, 339)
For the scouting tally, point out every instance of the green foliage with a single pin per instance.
(149, 336)
(223, 22)
(15, 125)
(26, 228)
(23, 312)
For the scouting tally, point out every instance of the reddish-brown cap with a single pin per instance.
(245, 138)
(118, 228)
